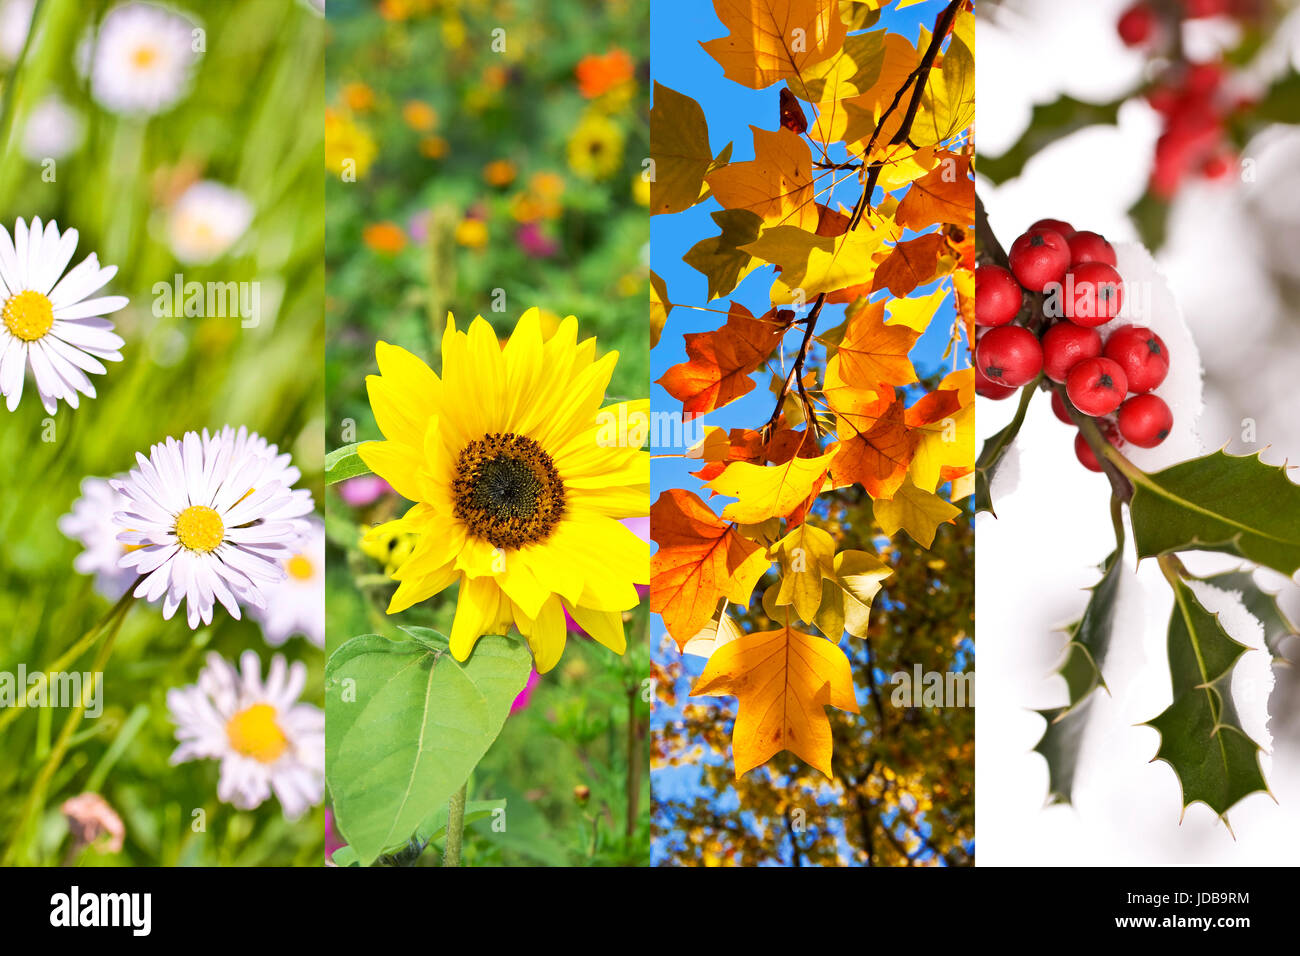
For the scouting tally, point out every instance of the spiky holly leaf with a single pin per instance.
(1262, 604)
(1089, 638)
(1201, 736)
(1049, 122)
(1219, 502)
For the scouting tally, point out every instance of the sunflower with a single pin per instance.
(519, 479)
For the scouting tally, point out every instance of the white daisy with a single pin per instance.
(47, 321)
(143, 59)
(91, 522)
(297, 604)
(280, 468)
(208, 519)
(206, 221)
(15, 22)
(265, 739)
(53, 130)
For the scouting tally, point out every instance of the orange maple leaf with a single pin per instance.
(910, 264)
(783, 681)
(873, 354)
(776, 185)
(946, 194)
(721, 362)
(700, 559)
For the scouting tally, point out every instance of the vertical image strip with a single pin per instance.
(487, 698)
(1139, 502)
(161, 454)
(813, 471)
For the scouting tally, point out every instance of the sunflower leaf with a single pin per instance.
(344, 463)
(408, 724)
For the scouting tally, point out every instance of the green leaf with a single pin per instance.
(407, 723)
(679, 146)
(1262, 604)
(1048, 123)
(1200, 733)
(1081, 668)
(995, 449)
(719, 257)
(1150, 215)
(344, 463)
(1220, 502)
(435, 827)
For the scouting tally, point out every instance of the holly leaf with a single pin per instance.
(1201, 736)
(946, 194)
(776, 185)
(917, 512)
(700, 560)
(720, 257)
(1048, 123)
(721, 362)
(679, 146)
(1261, 603)
(408, 722)
(774, 40)
(783, 681)
(1089, 639)
(1219, 502)
(765, 491)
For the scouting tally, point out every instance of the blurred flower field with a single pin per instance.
(485, 158)
(183, 144)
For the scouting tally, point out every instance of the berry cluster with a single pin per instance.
(1108, 379)
(1192, 99)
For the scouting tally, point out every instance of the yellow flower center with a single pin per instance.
(300, 567)
(28, 315)
(199, 528)
(254, 733)
(507, 491)
(144, 57)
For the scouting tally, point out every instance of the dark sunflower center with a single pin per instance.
(507, 490)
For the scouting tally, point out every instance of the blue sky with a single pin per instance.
(678, 61)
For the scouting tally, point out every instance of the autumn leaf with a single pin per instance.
(679, 146)
(944, 423)
(917, 512)
(875, 445)
(872, 353)
(720, 629)
(721, 362)
(910, 264)
(916, 312)
(783, 681)
(765, 491)
(776, 185)
(948, 106)
(700, 560)
(660, 307)
(720, 257)
(806, 556)
(849, 74)
(774, 40)
(791, 113)
(814, 264)
(855, 118)
(847, 594)
(946, 194)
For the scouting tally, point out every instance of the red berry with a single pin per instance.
(1141, 354)
(1009, 355)
(1083, 451)
(1056, 225)
(998, 296)
(1094, 293)
(1145, 420)
(1197, 9)
(1202, 79)
(1065, 345)
(1096, 386)
(990, 389)
(1039, 258)
(1218, 166)
(1137, 24)
(1059, 409)
(1090, 247)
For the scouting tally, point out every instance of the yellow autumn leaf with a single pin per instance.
(916, 313)
(659, 307)
(917, 512)
(767, 490)
(948, 443)
(679, 146)
(719, 630)
(776, 185)
(774, 40)
(815, 264)
(806, 556)
(847, 595)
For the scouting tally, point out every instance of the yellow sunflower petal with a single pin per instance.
(413, 590)
(477, 609)
(606, 627)
(521, 585)
(545, 633)
(397, 464)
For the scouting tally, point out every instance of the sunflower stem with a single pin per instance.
(455, 828)
(37, 793)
